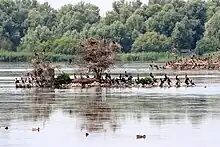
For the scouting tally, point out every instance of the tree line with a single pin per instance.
(159, 26)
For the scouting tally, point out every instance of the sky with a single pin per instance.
(104, 5)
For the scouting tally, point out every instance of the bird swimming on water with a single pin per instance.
(35, 129)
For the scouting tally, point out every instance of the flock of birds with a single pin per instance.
(87, 134)
(187, 81)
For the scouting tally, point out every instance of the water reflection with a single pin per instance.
(103, 110)
(28, 105)
(41, 101)
(100, 108)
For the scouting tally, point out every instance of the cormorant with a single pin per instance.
(161, 83)
(187, 80)
(177, 81)
(154, 80)
(126, 75)
(16, 81)
(192, 83)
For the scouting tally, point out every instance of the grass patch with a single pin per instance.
(149, 56)
(25, 57)
(125, 57)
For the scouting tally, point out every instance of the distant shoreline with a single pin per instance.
(125, 57)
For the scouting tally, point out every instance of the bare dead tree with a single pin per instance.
(43, 72)
(98, 55)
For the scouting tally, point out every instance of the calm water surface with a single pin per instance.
(184, 117)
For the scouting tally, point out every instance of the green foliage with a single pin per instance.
(26, 25)
(62, 79)
(213, 26)
(183, 34)
(211, 40)
(6, 56)
(164, 21)
(146, 80)
(207, 45)
(151, 42)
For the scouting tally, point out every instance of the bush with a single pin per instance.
(146, 80)
(62, 79)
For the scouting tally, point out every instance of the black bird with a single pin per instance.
(177, 78)
(154, 80)
(130, 78)
(117, 81)
(6, 128)
(16, 81)
(161, 83)
(187, 80)
(165, 77)
(156, 66)
(74, 76)
(177, 81)
(192, 83)
(81, 76)
(126, 75)
(151, 75)
(87, 134)
(138, 79)
(120, 76)
(169, 82)
(70, 61)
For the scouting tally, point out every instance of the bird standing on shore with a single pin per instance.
(154, 80)
(177, 81)
(186, 80)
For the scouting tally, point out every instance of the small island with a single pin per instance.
(94, 58)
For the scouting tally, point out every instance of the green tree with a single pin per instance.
(151, 42)
(207, 45)
(211, 38)
(213, 26)
(163, 22)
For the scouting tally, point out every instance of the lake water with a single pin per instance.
(183, 117)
